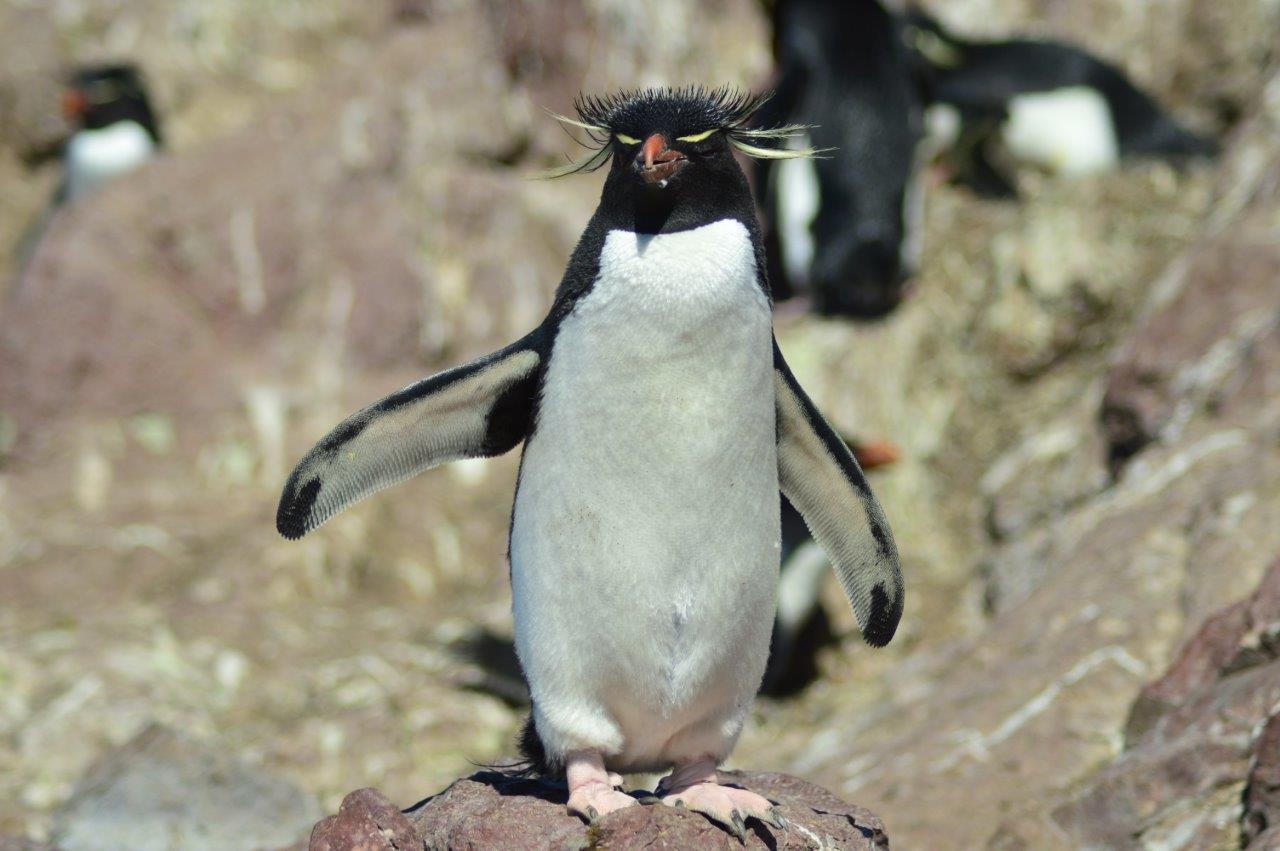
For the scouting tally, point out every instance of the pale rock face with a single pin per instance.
(644, 547)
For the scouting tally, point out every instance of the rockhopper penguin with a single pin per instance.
(660, 421)
(116, 129)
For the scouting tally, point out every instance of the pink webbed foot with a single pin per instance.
(592, 792)
(695, 787)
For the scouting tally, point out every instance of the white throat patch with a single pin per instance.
(96, 156)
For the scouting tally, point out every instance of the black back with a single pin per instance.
(843, 69)
(980, 78)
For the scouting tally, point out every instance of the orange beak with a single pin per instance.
(657, 162)
(653, 146)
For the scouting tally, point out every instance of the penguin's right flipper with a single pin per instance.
(819, 475)
(478, 410)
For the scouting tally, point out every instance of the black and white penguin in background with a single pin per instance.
(845, 226)
(114, 130)
(659, 422)
(1043, 103)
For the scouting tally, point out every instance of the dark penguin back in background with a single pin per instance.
(1042, 102)
(843, 68)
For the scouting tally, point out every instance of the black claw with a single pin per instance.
(593, 815)
(679, 804)
(774, 818)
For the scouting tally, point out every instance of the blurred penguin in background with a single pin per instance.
(113, 131)
(1040, 103)
(844, 227)
(115, 128)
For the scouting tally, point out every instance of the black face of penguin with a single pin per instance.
(102, 95)
(671, 158)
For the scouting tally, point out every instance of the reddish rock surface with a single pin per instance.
(1208, 316)
(1238, 637)
(366, 821)
(1205, 771)
(490, 810)
(1261, 821)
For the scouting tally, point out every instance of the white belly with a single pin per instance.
(644, 548)
(96, 156)
(1068, 131)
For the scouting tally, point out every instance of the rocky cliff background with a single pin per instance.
(1085, 387)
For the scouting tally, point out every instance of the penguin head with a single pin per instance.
(932, 50)
(98, 96)
(671, 152)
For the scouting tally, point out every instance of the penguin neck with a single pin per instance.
(653, 210)
(132, 110)
(648, 211)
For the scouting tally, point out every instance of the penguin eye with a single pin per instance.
(625, 139)
(696, 137)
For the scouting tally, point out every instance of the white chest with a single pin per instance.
(1068, 131)
(95, 156)
(666, 360)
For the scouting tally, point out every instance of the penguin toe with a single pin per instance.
(727, 806)
(594, 801)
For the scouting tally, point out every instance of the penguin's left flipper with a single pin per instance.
(819, 475)
(478, 410)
